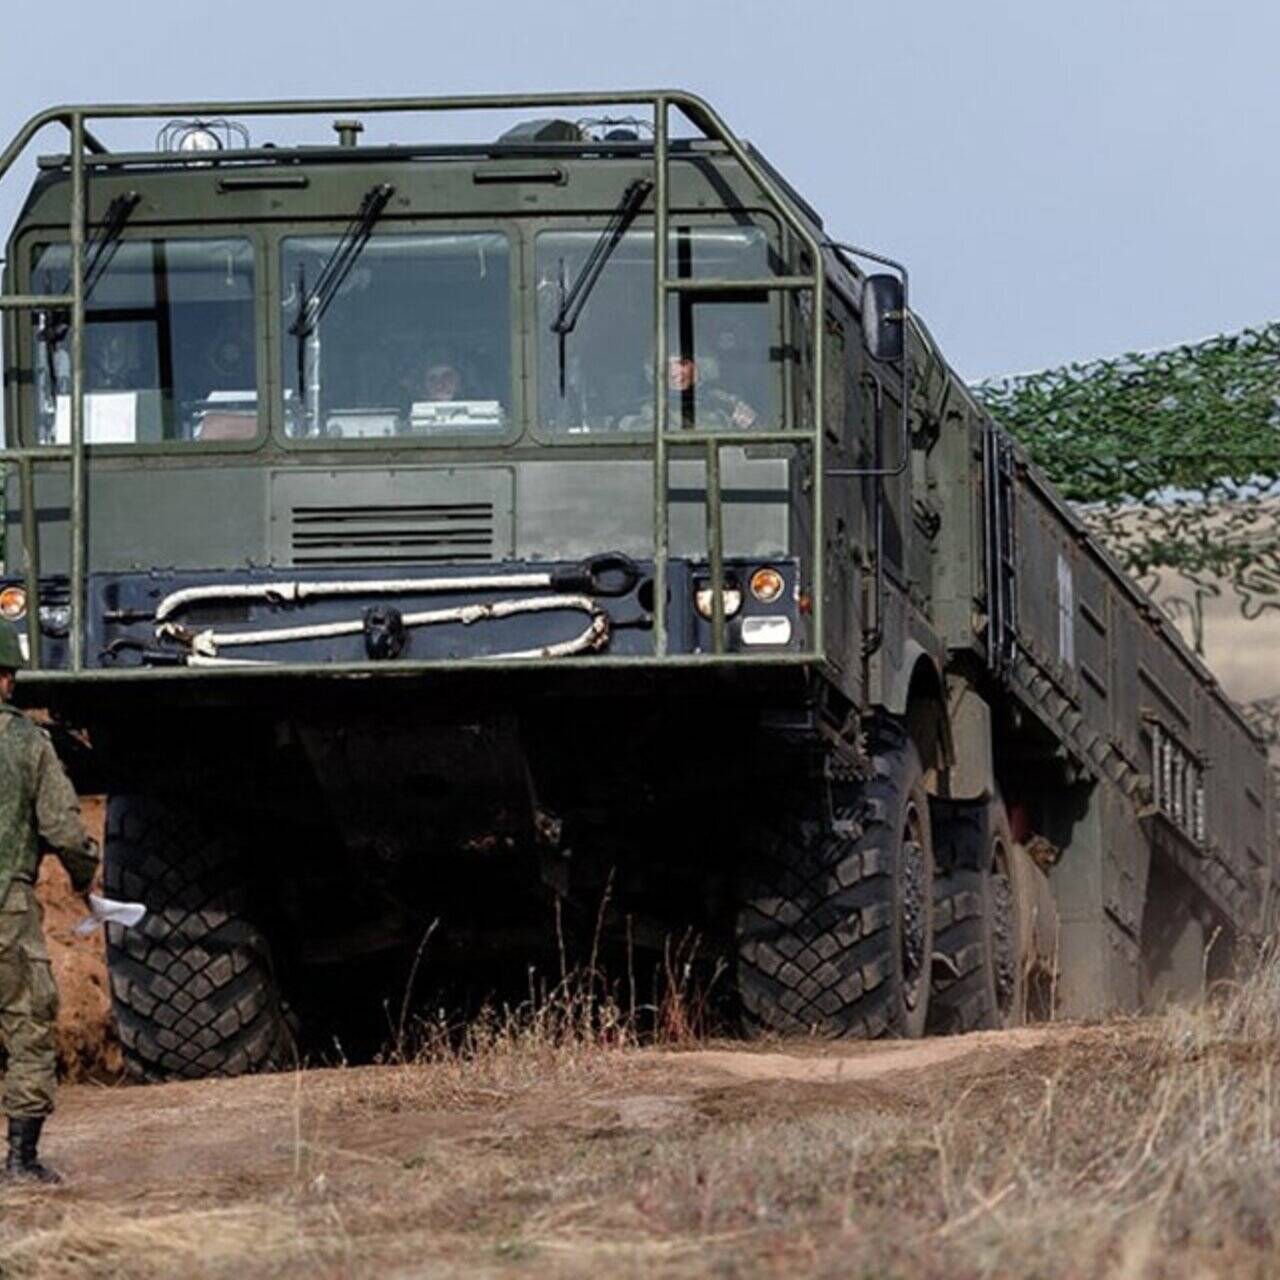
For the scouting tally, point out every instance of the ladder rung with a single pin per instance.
(45, 453)
(739, 286)
(740, 436)
(18, 301)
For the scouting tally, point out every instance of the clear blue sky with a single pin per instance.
(1064, 180)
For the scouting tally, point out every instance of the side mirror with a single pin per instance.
(883, 314)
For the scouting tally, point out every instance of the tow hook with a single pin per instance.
(384, 632)
(609, 574)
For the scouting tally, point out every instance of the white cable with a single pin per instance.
(292, 591)
(594, 637)
(200, 660)
(206, 644)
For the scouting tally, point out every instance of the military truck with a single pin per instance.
(436, 533)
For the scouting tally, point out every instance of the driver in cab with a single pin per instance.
(446, 399)
(442, 382)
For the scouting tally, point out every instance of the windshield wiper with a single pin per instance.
(102, 247)
(314, 302)
(573, 299)
(623, 216)
(312, 307)
(54, 325)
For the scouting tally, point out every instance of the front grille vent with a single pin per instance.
(394, 533)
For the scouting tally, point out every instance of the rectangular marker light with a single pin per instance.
(762, 631)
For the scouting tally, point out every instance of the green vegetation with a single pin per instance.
(1174, 455)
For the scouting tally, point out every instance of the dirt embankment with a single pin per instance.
(87, 1048)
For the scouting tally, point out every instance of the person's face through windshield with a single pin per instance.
(682, 373)
(442, 382)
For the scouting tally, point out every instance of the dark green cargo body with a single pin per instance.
(339, 461)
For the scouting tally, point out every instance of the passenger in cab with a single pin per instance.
(695, 399)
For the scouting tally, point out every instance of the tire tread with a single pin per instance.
(816, 944)
(192, 987)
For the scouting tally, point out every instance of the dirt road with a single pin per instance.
(942, 1157)
(221, 1167)
(208, 1141)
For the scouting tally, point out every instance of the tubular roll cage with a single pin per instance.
(666, 441)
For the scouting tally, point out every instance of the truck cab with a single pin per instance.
(307, 387)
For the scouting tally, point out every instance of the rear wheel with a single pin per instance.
(835, 925)
(193, 986)
(978, 947)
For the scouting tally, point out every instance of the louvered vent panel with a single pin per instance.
(393, 533)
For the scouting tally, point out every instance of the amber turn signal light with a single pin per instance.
(13, 604)
(767, 585)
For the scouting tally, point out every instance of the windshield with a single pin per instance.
(415, 343)
(725, 355)
(169, 350)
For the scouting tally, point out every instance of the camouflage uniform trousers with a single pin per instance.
(28, 1006)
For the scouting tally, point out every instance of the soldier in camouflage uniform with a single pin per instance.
(38, 809)
(696, 400)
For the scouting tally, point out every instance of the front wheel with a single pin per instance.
(193, 986)
(835, 923)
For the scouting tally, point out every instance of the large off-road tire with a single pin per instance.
(834, 929)
(193, 986)
(979, 969)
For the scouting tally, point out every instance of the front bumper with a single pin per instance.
(413, 617)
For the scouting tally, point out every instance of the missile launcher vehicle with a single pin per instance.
(436, 533)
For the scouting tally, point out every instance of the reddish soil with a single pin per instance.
(87, 1047)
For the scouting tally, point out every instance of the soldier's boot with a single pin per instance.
(23, 1164)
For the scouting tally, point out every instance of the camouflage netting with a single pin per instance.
(1174, 457)
(1264, 714)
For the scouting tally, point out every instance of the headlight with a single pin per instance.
(13, 603)
(767, 585)
(55, 619)
(732, 596)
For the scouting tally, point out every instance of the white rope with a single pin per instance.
(286, 592)
(594, 637)
(204, 645)
(199, 660)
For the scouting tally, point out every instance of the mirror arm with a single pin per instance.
(846, 252)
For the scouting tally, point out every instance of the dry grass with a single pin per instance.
(108, 1243)
(540, 1142)
(572, 1029)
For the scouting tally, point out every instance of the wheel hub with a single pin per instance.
(1004, 959)
(914, 913)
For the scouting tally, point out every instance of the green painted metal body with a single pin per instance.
(317, 190)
